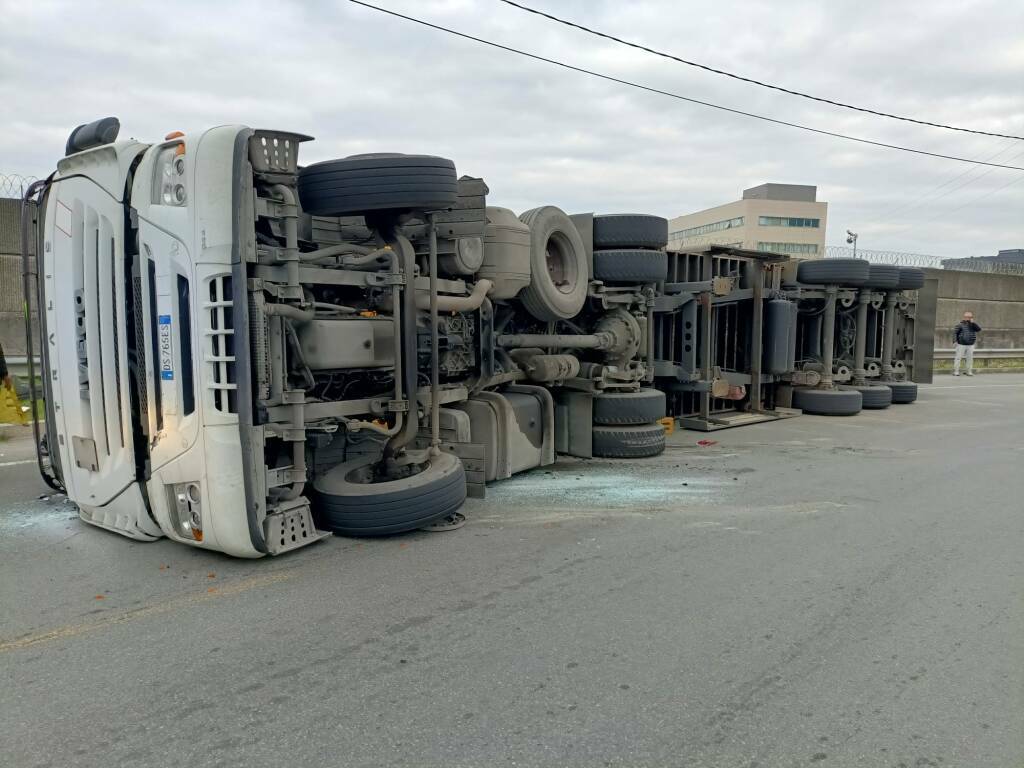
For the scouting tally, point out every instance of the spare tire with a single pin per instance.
(377, 182)
(911, 278)
(635, 266)
(903, 392)
(347, 506)
(635, 442)
(559, 274)
(640, 407)
(852, 272)
(873, 396)
(630, 230)
(883, 276)
(827, 402)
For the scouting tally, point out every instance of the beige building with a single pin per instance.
(782, 218)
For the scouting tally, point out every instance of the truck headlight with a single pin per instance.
(188, 509)
(169, 176)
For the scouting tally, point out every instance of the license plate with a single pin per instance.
(166, 351)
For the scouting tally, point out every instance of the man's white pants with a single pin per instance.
(964, 351)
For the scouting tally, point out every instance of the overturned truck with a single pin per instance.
(245, 355)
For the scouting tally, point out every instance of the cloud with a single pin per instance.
(360, 81)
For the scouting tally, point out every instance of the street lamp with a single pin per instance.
(851, 237)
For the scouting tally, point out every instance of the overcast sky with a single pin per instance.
(360, 81)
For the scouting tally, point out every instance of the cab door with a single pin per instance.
(170, 323)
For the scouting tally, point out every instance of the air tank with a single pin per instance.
(506, 260)
(779, 340)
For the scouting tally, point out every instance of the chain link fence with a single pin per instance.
(972, 264)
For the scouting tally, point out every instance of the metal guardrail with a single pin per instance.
(990, 354)
(18, 365)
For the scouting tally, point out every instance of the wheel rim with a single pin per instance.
(365, 474)
(561, 266)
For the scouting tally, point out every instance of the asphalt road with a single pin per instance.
(815, 592)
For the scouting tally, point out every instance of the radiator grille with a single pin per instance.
(117, 307)
(99, 310)
(221, 355)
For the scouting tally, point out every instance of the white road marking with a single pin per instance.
(970, 386)
(16, 463)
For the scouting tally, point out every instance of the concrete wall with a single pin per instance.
(12, 328)
(996, 300)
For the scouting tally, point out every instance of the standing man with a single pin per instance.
(966, 334)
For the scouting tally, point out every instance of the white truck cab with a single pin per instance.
(138, 250)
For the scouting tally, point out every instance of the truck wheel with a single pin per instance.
(883, 276)
(873, 396)
(559, 275)
(630, 230)
(827, 402)
(641, 407)
(903, 392)
(852, 272)
(635, 266)
(348, 505)
(911, 278)
(634, 442)
(377, 182)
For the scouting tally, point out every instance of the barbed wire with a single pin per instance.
(884, 257)
(984, 265)
(14, 184)
(901, 259)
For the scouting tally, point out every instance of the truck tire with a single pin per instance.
(351, 508)
(827, 402)
(634, 266)
(911, 278)
(851, 272)
(630, 230)
(903, 392)
(884, 276)
(640, 407)
(377, 182)
(873, 396)
(559, 274)
(631, 442)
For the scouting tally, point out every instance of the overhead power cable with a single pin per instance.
(945, 213)
(751, 80)
(932, 198)
(677, 96)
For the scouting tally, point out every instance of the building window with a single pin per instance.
(787, 221)
(703, 229)
(804, 249)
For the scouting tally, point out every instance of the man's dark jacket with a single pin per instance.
(967, 332)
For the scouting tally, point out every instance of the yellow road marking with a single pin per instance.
(196, 598)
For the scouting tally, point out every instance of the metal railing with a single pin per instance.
(994, 354)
